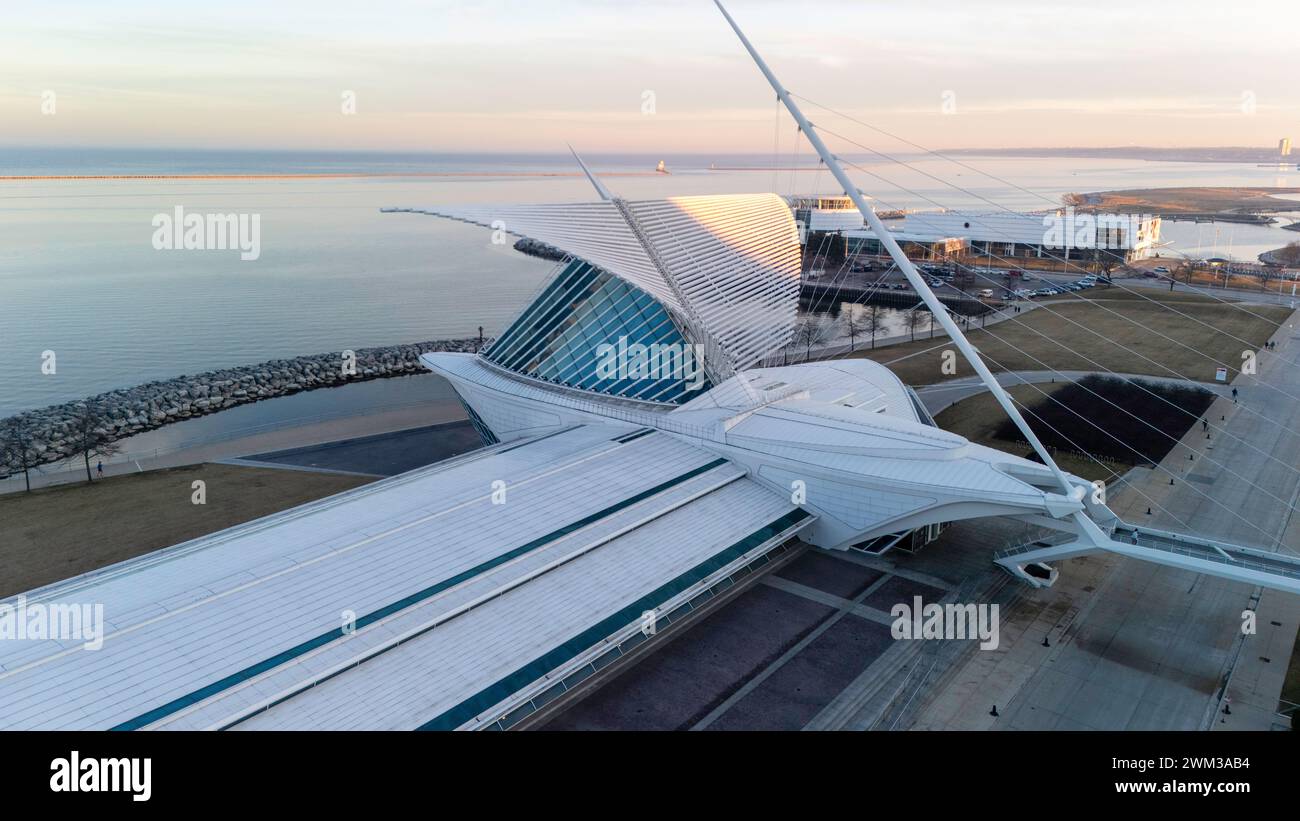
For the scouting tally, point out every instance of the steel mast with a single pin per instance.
(932, 302)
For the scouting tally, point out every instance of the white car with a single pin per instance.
(1160, 269)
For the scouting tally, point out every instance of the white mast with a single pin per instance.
(600, 186)
(932, 302)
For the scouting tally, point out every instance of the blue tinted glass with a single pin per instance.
(585, 315)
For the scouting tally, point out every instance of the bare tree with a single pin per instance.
(90, 436)
(859, 323)
(18, 448)
(853, 326)
(872, 324)
(809, 331)
(1107, 262)
(915, 319)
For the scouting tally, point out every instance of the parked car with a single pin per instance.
(1160, 269)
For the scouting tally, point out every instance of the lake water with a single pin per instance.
(79, 275)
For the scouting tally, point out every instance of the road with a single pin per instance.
(1271, 297)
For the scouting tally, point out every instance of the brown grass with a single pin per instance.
(1124, 291)
(58, 532)
(1122, 335)
(978, 418)
(1196, 199)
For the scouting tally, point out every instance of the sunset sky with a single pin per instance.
(530, 76)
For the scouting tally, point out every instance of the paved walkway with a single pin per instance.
(1270, 297)
(283, 438)
(1138, 646)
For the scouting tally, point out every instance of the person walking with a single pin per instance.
(99, 468)
(1234, 396)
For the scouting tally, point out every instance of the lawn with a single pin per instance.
(979, 417)
(54, 533)
(1133, 422)
(1129, 335)
(1124, 290)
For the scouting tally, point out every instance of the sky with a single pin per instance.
(666, 77)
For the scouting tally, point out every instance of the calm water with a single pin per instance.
(79, 275)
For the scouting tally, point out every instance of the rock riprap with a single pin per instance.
(128, 411)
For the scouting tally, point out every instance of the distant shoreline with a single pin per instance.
(314, 175)
(1241, 204)
(1214, 154)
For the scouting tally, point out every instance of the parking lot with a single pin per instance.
(984, 283)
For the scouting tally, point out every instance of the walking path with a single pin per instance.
(257, 441)
(1130, 645)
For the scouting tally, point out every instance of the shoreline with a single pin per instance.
(127, 412)
(341, 175)
(1248, 205)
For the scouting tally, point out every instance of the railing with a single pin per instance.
(1278, 567)
(1283, 565)
(1037, 544)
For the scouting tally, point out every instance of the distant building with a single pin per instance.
(1284, 147)
(824, 215)
(915, 245)
(833, 228)
(1063, 234)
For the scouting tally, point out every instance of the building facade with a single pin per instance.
(1064, 234)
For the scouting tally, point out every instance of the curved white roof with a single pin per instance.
(727, 265)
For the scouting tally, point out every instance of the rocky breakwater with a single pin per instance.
(534, 248)
(129, 411)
